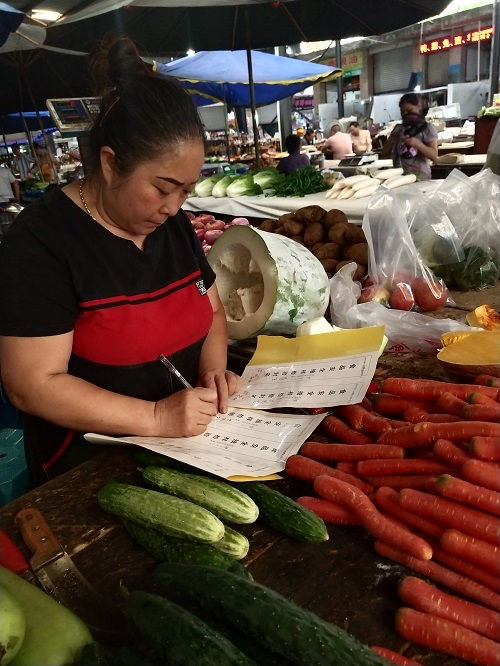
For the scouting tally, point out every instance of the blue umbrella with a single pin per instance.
(12, 123)
(223, 76)
(10, 20)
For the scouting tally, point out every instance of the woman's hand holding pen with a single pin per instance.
(225, 382)
(185, 413)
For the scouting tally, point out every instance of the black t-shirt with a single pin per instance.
(61, 271)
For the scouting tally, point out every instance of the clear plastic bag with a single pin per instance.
(407, 331)
(401, 279)
(473, 206)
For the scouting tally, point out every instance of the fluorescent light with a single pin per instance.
(190, 52)
(45, 15)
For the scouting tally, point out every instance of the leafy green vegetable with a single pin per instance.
(221, 185)
(268, 178)
(479, 269)
(203, 188)
(243, 186)
(301, 182)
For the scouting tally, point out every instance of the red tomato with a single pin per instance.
(429, 295)
(402, 297)
(374, 293)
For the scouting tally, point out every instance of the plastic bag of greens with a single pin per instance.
(401, 279)
(472, 205)
(407, 331)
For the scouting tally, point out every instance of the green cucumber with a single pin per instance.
(54, 635)
(238, 569)
(267, 617)
(145, 458)
(179, 637)
(224, 501)
(233, 543)
(284, 514)
(170, 549)
(170, 515)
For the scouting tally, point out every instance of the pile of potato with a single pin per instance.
(327, 234)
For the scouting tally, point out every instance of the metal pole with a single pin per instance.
(495, 52)
(252, 93)
(284, 109)
(226, 133)
(340, 93)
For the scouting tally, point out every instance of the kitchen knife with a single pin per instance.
(58, 575)
(12, 558)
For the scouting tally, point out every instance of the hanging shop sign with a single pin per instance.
(352, 63)
(450, 41)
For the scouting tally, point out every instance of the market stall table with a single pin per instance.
(342, 580)
(470, 165)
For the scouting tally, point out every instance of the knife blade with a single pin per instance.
(13, 559)
(58, 575)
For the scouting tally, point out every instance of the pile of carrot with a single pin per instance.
(417, 464)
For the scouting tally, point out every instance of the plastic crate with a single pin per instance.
(14, 477)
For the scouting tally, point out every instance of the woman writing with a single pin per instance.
(102, 276)
(413, 143)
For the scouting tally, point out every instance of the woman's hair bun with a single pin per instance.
(115, 63)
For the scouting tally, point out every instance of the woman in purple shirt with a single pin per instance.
(295, 159)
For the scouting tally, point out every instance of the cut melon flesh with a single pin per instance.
(482, 348)
(267, 282)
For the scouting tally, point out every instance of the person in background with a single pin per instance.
(412, 144)
(309, 137)
(21, 163)
(372, 127)
(100, 277)
(361, 139)
(338, 144)
(295, 159)
(9, 186)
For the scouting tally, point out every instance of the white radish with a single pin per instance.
(398, 181)
(365, 183)
(352, 180)
(346, 193)
(332, 194)
(385, 174)
(366, 192)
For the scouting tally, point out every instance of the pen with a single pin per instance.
(171, 368)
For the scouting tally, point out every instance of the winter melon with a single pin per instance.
(267, 283)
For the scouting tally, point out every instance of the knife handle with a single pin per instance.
(10, 556)
(38, 536)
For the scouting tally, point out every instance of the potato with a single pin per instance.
(298, 239)
(268, 225)
(329, 265)
(359, 273)
(313, 234)
(316, 246)
(336, 234)
(285, 217)
(310, 214)
(327, 251)
(357, 252)
(341, 264)
(354, 234)
(280, 230)
(293, 228)
(334, 216)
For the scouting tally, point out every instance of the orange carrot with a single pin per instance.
(371, 519)
(450, 404)
(487, 380)
(387, 499)
(466, 568)
(377, 467)
(450, 453)
(468, 493)
(424, 434)
(447, 636)
(482, 473)
(331, 513)
(306, 469)
(451, 514)
(429, 390)
(482, 412)
(348, 452)
(346, 467)
(373, 387)
(363, 420)
(395, 405)
(429, 599)
(417, 415)
(317, 410)
(473, 550)
(341, 432)
(398, 482)
(454, 581)
(485, 448)
(481, 399)
(405, 437)
(394, 657)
